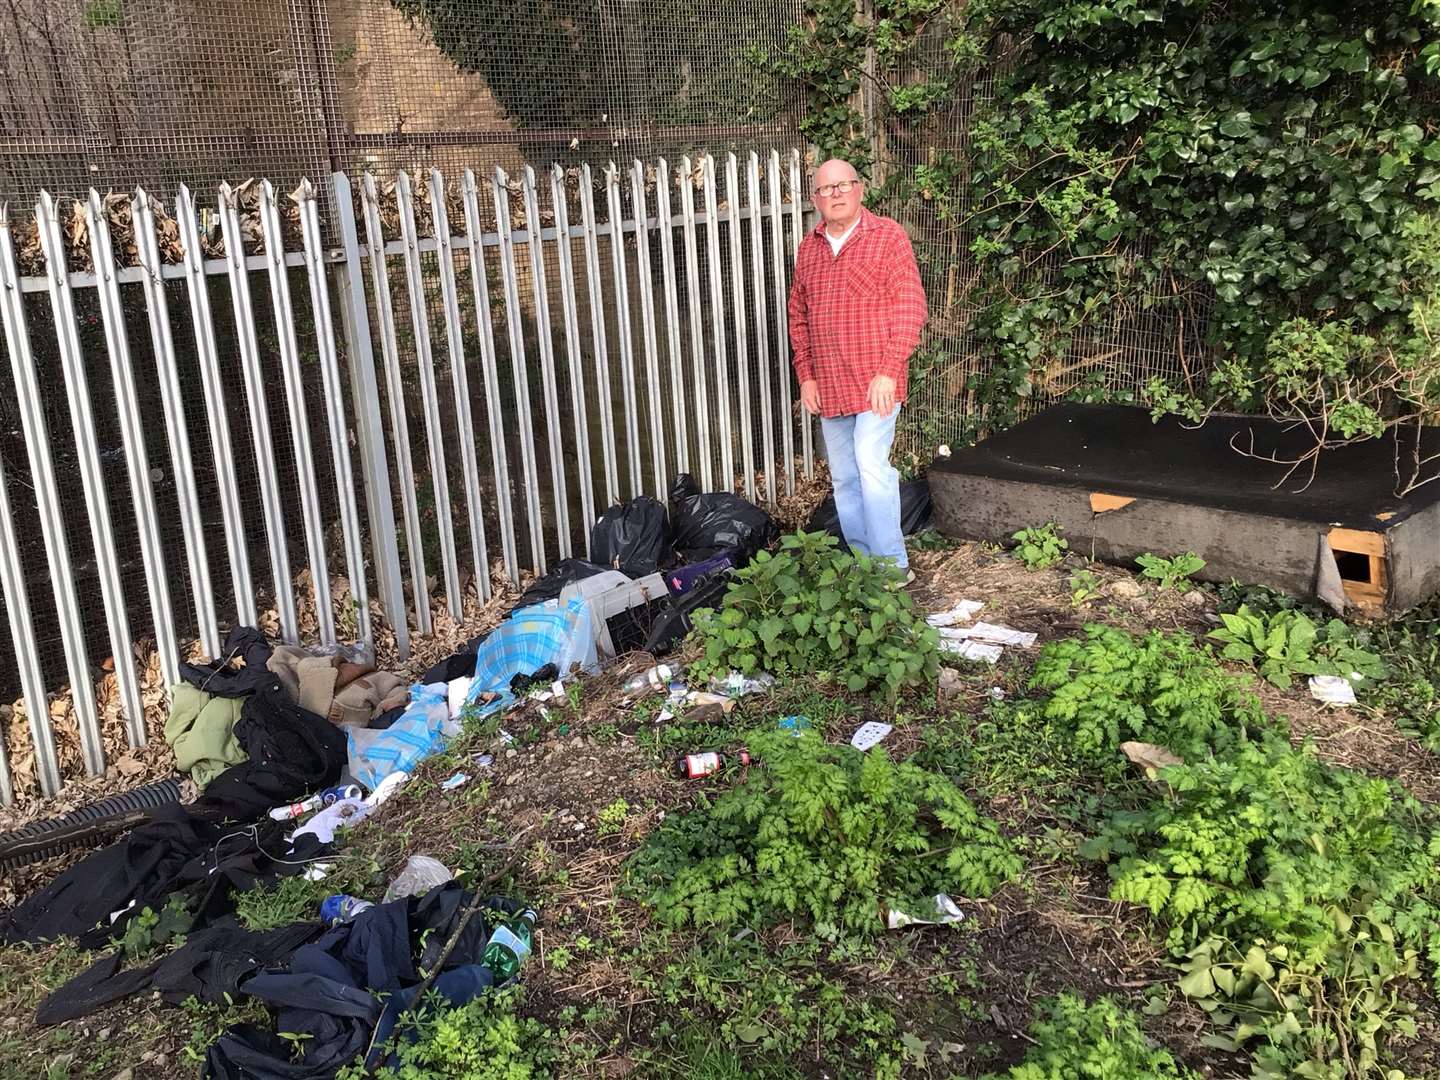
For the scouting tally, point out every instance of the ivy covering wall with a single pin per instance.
(1196, 204)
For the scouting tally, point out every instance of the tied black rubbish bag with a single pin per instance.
(914, 512)
(633, 538)
(706, 525)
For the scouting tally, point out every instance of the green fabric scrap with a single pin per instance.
(201, 730)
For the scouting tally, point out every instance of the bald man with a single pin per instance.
(856, 310)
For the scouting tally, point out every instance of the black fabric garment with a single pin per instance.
(674, 622)
(210, 966)
(331, 988)
(633, 538)
(455, 666)
(565, 572)
(292, 752)
(717, 522)
(385, 719)
(914, 512)
(177, 853)
(226, 679)
(139, 871)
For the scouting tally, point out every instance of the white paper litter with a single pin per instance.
(972, 650)
(964, 611)
(868, 734)
(946, 911)
(345, 814)
(456, 692)
(990, 633)
(1332, 689)
(388, 787)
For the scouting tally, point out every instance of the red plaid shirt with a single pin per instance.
(857, 314)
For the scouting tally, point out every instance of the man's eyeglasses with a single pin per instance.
(844, 187)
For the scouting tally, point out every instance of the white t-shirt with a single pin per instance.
(837, 242)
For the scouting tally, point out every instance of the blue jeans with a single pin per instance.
(867, 486)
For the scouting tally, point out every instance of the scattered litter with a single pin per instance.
(650, 681)
(736, 685)
(1332, 690)
(328, 797)
(453, 782)
(945, 911)
(869, 733)
(794, 724)
(418, 876)
(694, 766)
(1149, 757)
(962, 612)
(343, 815)
(990, 633)
(995, 694)
(483, 760)
(388, 787)
(505, 737)
(699, 706)
(318, 871)
(342, 908)
(972, 650)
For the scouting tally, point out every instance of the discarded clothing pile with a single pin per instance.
(210, 967)
(277, 710)
(178, 853)
(347, 990)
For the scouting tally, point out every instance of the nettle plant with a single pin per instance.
(1040, 546)
(813, 609)
(824, 832)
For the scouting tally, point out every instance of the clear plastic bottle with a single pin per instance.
(649, 682)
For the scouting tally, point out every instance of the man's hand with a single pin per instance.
(810, 396)
(882, 395)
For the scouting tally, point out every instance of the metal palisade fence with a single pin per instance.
(387, 383)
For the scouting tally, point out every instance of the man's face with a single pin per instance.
(839, 208)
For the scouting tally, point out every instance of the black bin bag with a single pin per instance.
(914, 512)
(633, 538)
(705, 525)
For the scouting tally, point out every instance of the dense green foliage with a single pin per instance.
(1304, 841)
(553, 66)
(1411, 695)
(1101, 1040)
(1271, 156)
(813, 609)
(1282, 644)
(824, 832)
(1111, 686)
(483, 1039)
(1040, 546)
(1170, 573)
(1260, 172)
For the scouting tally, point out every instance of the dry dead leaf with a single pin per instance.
(1149, 757)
